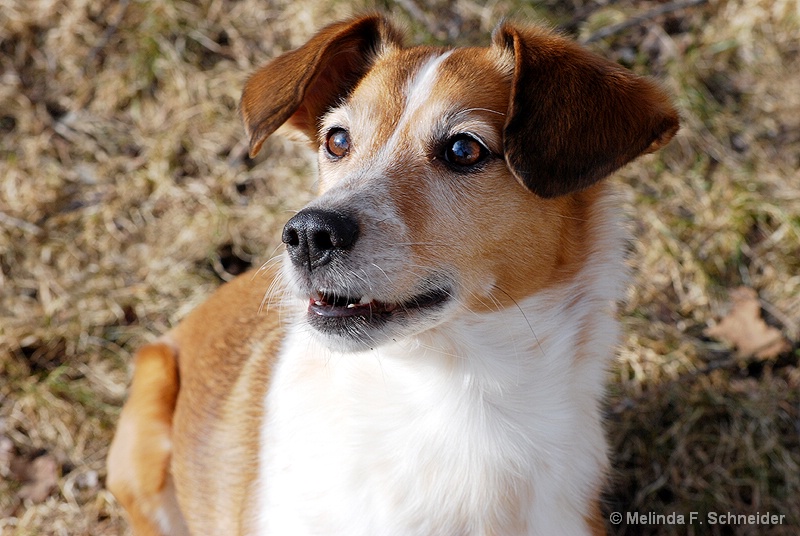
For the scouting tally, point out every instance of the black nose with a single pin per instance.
(313, 235)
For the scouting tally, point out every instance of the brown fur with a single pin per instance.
(596, 520)
(302, 84)
(225, 367)
(214, 428)
(139, 457)
(575, 117)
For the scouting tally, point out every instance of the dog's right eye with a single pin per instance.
(464, 151)
(337, 143)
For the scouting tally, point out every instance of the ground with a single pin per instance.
(126, 197)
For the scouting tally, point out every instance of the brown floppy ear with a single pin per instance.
(574, 117)
(299, 86)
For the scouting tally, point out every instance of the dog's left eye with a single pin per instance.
(464, 151)
(337, 143)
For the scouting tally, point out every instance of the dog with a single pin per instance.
(435, 362)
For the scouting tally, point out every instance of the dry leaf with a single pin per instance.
(744, 328)
(39, 475)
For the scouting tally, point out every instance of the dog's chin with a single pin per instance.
(356, 324)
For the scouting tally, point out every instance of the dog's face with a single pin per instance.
(445, 175)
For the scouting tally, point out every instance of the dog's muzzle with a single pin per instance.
(343, 304)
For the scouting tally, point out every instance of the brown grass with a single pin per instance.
(126, 197)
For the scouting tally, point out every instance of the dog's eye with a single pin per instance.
(464, 151)
(337, 143)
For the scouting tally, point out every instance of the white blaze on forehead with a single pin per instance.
(418, 92)
(421, 86)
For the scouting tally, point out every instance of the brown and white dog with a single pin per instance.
(436, 363)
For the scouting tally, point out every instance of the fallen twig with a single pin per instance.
(109, 31)
(418, 14)
(634, 21)
(11, 221)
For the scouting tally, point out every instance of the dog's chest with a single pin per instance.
(406, 440)
(367, 444)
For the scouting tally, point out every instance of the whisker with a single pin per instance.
(274, 257)
(495, 303)
(435, 244)
(441, 351)
(527, 321)
(382, 271)
(276, 285)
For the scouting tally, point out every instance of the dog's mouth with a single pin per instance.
(353, 323)
(328, 304)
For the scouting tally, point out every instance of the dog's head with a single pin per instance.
(450, 180)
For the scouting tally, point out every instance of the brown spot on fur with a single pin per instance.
(204, 434)
(596, 521)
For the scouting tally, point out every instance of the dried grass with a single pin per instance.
(126, 197)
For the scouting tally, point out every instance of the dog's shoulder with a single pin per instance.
(226, 350)
(220, 333)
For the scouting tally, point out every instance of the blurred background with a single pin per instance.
(126, 197)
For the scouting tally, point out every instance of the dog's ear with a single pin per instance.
(575, 117)
(299, 86)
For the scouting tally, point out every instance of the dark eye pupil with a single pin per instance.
(464, 152)
(338, 143)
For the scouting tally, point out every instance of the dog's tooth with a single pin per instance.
(351, 305)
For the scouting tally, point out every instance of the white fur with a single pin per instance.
(450, 431)
(421, 86)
